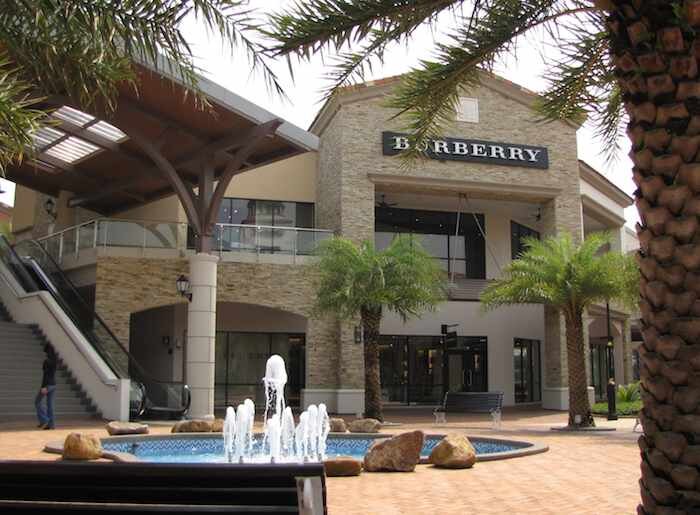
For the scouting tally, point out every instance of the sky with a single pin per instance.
(305, 89)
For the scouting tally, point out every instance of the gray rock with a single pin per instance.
(365, 425)
(455, 451)
(192, 426)
(338, 425)
(342, 467)
(78, 446)
(400, 453)
(126, 428)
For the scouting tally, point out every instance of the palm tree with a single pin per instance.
(359, 280)
(568, 277)
(622, 63)
(83, 48)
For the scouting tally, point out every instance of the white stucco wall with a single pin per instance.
(501, 327)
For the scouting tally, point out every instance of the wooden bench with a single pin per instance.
(97, 488)
(471, 402)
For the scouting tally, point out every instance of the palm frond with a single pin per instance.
(559, 273)
(581, 82)
(321, 26)
(402, 278)
(428, 96)
(18, 121)
(85, 49)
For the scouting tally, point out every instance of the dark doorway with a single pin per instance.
(602, 367)
(466, 368)
(416, 369)
(240, 366)
(527, 370)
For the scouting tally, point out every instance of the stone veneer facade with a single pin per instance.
(351, 169)
(129, 285)
(351, 166)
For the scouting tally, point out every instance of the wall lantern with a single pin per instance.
(50, 208)
(358, 334)
(183, 287)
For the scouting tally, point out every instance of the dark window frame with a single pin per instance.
(519, 231)
(531, 394)
(295, 202)
(299, 381)
(443, 223)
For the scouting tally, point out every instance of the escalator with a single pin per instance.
(36, 270)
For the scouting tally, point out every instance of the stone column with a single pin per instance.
(201, 335)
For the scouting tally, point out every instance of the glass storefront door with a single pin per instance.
(240, 366)
(466, 368)
(417, 369)
(602, 368)
(527, 370)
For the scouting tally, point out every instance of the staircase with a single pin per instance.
(21, 359)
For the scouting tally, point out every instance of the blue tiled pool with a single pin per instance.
(211, 450)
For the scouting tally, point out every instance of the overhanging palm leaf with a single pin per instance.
(83, 48)
(427, 96)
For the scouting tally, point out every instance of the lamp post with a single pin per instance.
(611, 387)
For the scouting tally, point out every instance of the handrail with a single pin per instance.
(124, 370)
(141, 221)
(145, 234)
(276, 228)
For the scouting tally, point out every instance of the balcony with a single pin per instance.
(138, 238)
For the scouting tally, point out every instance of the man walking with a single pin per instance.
(47, 390)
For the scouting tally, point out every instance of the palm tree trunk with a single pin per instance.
(654, 51)
(371, 319)
(576, 366)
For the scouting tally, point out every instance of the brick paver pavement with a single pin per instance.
(592, 473)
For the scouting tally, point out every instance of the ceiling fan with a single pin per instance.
(383, 203)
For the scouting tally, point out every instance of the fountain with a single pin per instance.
(283, 441)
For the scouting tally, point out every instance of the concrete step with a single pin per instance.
(13, 335)
(58, 414)
(21, 359)
(15, 404)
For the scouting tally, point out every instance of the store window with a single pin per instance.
(527, 370)
(240, 363)
(518, 233)
(264, 215)
(460, 249)
(417, 369)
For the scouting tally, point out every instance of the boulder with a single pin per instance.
(126, 428)
(192, 426)
(338, 425)
(455, 451)
(342, 467)
(365, 425)
(400, 453)
(79, 446)
(217, 426)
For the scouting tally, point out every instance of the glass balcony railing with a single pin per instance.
(140, 234)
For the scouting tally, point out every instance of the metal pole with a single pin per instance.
(611, 392)
(459, 213)
(610, 340)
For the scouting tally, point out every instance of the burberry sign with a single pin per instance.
(471, 150)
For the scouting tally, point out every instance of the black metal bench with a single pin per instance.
(97, 488)
(471, 402)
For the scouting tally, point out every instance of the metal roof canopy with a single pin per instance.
(157, 142)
